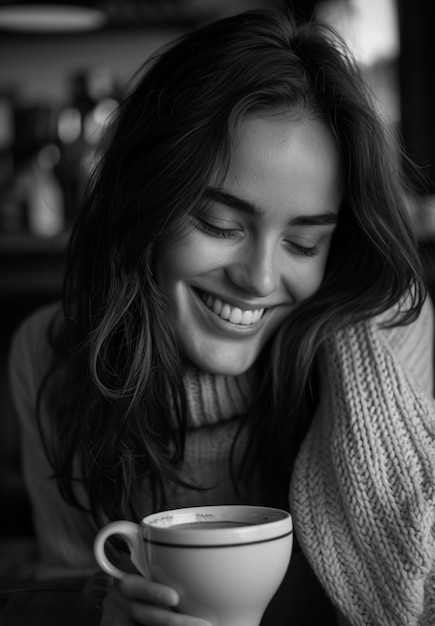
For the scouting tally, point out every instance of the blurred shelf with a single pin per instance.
(31, 266)
(31, 282)
(26, 244)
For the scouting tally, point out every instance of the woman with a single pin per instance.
(243, 321)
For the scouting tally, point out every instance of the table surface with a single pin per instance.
(63, 602)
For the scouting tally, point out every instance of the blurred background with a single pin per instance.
(64, 66)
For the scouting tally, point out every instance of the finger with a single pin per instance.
(139, 588)
(118, 598)
(116, 610)
(152, 615)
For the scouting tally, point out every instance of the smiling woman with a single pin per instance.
(243, 321)
(258, 247)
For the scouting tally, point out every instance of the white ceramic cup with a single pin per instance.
(226, 562)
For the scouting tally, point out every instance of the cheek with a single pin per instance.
(309, 279)
(188, 256)
(173, 263)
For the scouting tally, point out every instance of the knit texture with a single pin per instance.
(212, 399)
(363, 489)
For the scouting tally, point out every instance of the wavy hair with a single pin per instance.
(119, 361)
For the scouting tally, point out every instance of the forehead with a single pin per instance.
(286, 164)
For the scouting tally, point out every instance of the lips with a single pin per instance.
(232, 314)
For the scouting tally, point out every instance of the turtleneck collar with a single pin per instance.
(212, 398)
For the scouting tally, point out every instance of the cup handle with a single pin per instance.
(131, 532)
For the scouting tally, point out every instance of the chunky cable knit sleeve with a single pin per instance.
(363, 489)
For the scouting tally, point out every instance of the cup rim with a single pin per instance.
(268, 524)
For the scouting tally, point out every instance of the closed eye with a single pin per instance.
(308, 251)
(215, 231)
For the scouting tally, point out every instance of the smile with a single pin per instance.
(232, 314)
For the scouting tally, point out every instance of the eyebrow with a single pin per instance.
(235, 202)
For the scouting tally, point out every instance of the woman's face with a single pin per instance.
(258, 247)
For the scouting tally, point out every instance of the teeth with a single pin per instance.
(236, 316)
(231, 313)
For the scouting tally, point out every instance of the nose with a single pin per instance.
(255, 271)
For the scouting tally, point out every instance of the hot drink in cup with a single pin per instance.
(226, 562)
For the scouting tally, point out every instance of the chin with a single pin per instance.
(219, 364)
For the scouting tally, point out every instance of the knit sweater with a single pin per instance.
(363, 490)
(362, 494)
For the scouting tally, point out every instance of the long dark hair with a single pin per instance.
(118, 361)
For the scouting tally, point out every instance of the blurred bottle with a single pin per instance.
(12, 201)
(6, 137)
(35, 178)
(46, 215)
(95, 95)
(80, 125)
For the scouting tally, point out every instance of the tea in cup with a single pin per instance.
(225, 562)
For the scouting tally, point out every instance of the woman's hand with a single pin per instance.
(137, 600)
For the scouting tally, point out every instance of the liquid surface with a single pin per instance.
(211, 524)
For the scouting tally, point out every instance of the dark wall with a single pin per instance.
(417, 85)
